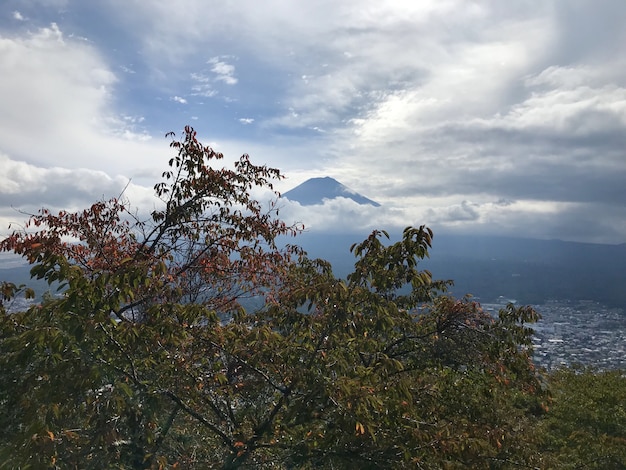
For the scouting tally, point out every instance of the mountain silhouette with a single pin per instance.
(315, 190)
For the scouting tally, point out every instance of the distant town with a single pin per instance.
(577, 332)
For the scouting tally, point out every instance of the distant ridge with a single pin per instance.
(532, 271)
(315, 190)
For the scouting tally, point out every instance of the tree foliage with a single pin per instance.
(586, 426)
(149, 359)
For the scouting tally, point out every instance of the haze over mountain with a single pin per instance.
(315, 190)
(531, 271)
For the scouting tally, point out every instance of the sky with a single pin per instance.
(481, 117)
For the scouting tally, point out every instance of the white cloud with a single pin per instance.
(526, 218)
(126, 69)
(340, 214)
(21, 179)
(246, 120)
(18, 16)
(202, 86)
(570, 100)
(25, 188)
(179, 99)
(57, 96)
(224, 72)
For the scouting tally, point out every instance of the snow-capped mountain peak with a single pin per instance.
(315, 190)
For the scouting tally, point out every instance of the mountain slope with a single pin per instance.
(315, 190)
(529, 270)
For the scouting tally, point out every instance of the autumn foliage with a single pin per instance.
(195, 338)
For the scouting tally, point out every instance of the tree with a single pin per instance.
(149, 359)
(586, 425)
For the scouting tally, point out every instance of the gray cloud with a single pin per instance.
(457, 213)
(589, 32)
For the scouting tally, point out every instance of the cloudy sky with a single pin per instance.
(470, 116)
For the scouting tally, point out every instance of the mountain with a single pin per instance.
(529, 270)
(315, 190)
